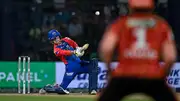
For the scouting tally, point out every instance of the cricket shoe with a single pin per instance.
(42, 91)
(93, 92)
(62, 91)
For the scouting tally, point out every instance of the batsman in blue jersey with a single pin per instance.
(69, 52)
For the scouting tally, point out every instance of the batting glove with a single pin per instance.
(78, 52)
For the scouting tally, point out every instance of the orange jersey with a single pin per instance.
(140, 40)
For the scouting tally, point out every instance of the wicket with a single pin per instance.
(24, 75)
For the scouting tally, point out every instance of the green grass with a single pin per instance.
(57, 98)
(40, 98)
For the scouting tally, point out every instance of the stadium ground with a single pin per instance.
(71, 97)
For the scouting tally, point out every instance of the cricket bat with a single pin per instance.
(84, 47)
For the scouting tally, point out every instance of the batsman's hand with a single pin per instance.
(78, 52)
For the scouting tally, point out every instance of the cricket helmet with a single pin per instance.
(52, 34)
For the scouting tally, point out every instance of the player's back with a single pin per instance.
(141, 38)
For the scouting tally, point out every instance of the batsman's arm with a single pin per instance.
(60, 52)
(71, 42)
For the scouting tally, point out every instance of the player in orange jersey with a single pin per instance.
(142, 39)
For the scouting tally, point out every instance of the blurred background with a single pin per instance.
(25, 23)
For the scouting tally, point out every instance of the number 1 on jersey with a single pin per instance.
(140, 34)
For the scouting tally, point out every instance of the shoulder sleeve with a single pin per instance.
(117, 26)
(70, 42)
(167, 33)
(60, 52)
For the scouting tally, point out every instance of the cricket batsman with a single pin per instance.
(69, 53)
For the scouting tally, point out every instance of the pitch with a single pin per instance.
(71, 97)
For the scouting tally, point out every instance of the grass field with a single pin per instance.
(72, 97)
